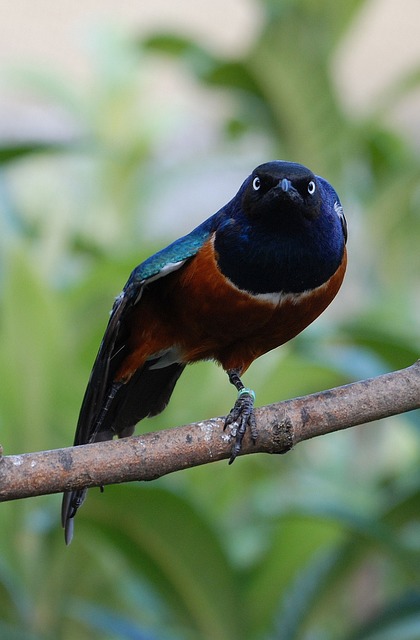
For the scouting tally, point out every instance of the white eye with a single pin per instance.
(311, 187)
(256, 183)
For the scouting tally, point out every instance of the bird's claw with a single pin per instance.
(240, 418)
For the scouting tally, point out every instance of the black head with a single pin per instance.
(276, 190)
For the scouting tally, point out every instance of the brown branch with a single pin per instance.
(149, 456)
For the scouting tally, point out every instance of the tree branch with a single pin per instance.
(149, 456)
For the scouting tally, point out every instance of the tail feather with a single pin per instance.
(146, 394)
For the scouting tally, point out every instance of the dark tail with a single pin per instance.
(146, 394)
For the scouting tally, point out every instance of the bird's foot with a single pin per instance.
(240, 418)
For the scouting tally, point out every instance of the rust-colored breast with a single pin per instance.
(197, 309)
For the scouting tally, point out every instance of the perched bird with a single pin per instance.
(245, 281)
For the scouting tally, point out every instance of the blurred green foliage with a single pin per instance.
(323, 543)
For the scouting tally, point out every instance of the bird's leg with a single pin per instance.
(242, 415)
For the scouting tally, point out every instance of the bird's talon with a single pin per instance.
(239, 419)
(232, 417)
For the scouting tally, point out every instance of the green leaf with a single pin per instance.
(11, 152)
(167, 540)
(200, 61)
(295, 541)
(396, 350)
(303, 594)
(111, 622)
(398, 619)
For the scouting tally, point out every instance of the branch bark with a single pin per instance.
(149, 456)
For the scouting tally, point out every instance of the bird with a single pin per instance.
(245, 281)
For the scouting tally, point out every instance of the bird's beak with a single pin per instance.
(286, 191)
(284, 185)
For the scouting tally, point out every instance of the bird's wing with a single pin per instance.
(102, 391)
(111, 407)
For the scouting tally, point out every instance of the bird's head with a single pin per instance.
(285, 195)
(284, 230)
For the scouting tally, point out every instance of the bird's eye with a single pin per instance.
(311, 187)
(256, 183)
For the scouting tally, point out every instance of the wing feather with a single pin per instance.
(113, 408)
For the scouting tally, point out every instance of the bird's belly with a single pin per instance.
(221, 322)
(197, 310)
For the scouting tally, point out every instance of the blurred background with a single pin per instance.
(122, 126)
